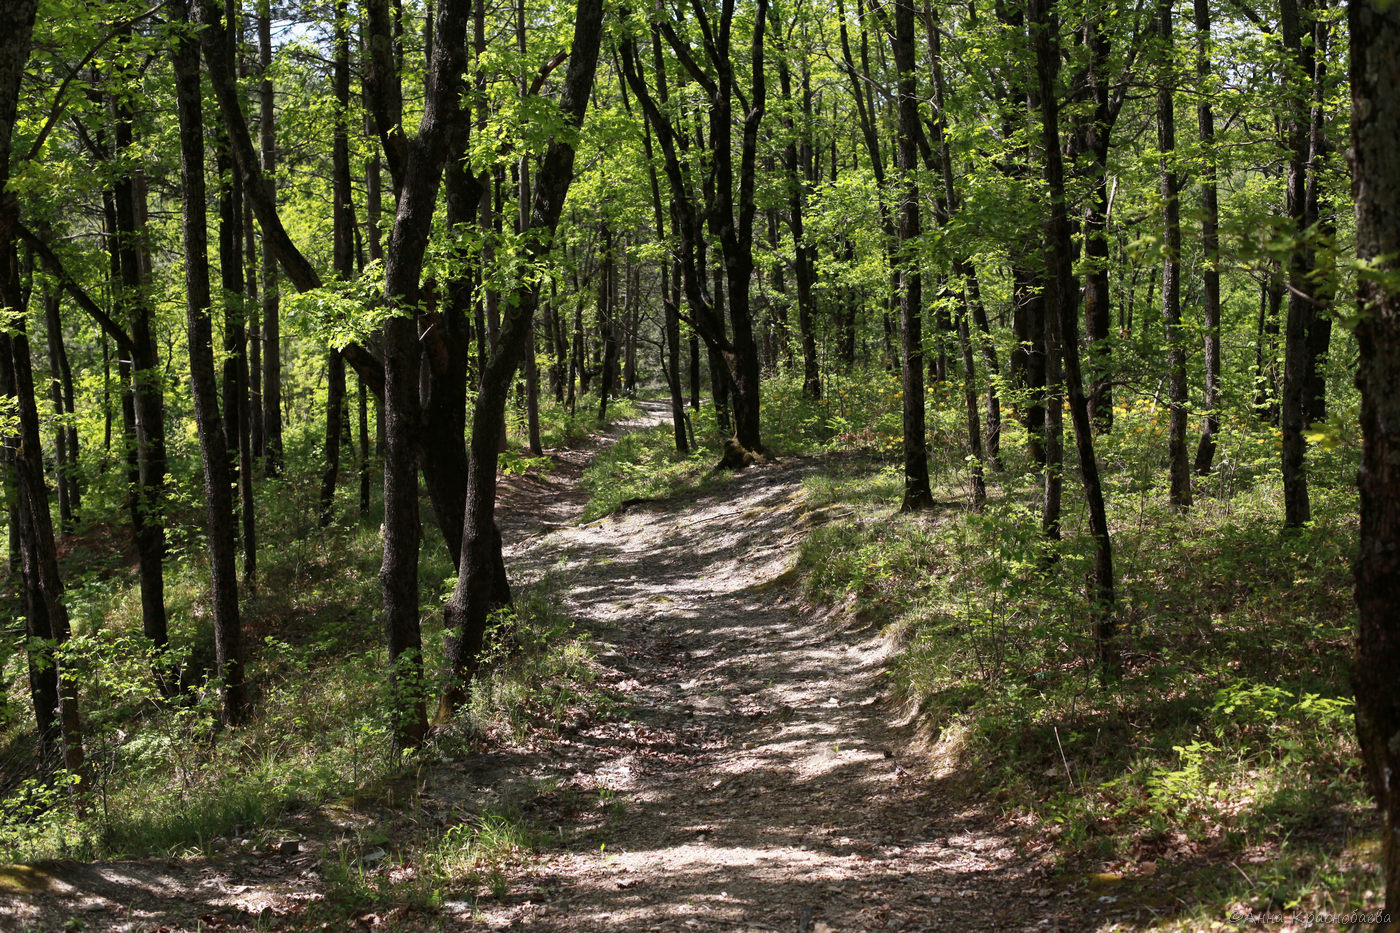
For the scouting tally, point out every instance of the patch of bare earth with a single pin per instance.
(752, 779)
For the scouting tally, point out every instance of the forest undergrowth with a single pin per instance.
(169, 781)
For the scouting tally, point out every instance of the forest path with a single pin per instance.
(755, 781)
(748, 778)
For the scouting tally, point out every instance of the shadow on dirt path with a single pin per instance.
(752, 780)
(761, 785)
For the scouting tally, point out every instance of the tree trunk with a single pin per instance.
(236, 423)
(798, 163)
(1028, 357)
(343, 255)
(61, 395)
(1319, 215)
(418, 180)
(271, 301)
(917, 494)
(1293, 405)
(134, 260)
(482, 587)
(1375, 126)
(989, 355)
(335, 404)
(221, 529)
(1210, 245)
(43, 673)
(1064, 314)
(1178, 466)
(47, 613)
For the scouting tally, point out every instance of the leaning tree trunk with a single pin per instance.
(1375, 89)
(482, 587)
(1064, 317)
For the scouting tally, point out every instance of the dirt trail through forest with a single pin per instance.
(751, 781)
(759, 784)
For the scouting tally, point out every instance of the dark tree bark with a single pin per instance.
(43, 673)
(1319, 216)
(1375, 90)
(670, 295)
(1028, 356)
(253, 308)
(989, 356)
(607, 323)
(729, 220)
(1178, 464)
(798, 163)
(974, 428)
(1293, 405)
(221, 529)
(47, 616)
(917, 494)
(271, 300)
(1062, 298)
(969, 293)
(482, 587)
(342, 251)
(131, 265)
(1210, 245)
(129, 217)
(61, 395)
(236, 422)
(46, 613)
(1266, 375)
(418, 179)
(1093, 137)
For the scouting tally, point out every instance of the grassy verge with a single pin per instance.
(1221, 774)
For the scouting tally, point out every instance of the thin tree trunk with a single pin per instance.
(343, 255)
(1210, 246)
(1293, 405)
(1319, 214)
(989, 355)
(1178, 464)
(221, 527)
(917, 494)
(271, 301)
(61, 395)
(1063, 314)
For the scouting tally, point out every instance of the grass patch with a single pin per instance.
(643, 465)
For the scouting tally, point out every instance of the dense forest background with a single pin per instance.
(1077, 290)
